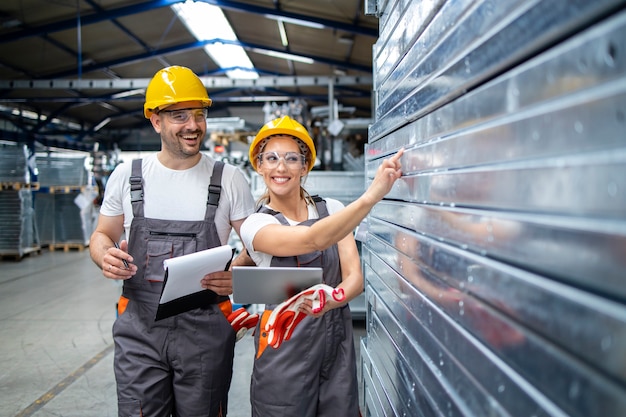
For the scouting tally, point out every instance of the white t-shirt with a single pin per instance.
(257, 221)
(179, 194)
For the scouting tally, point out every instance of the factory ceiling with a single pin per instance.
(73, 72)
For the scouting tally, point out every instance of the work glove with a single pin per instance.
(242, 321)
(285, 317)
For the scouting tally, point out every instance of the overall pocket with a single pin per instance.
(162, 248)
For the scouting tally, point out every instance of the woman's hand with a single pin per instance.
(307, 307)
(386, 175)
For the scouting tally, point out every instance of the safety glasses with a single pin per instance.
(181, 116)
(272, 159)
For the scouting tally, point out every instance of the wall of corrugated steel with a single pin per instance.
(496, 267)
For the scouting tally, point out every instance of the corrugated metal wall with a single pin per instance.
(496, 268)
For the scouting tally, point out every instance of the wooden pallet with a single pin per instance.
(18, 255)
(67, 246)
(62, 189)
(16, 186)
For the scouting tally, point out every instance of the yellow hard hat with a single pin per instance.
(173, 85)
(282, 126)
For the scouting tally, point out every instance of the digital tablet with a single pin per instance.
(271, 285)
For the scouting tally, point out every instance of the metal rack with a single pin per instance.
(63, 203)
(18, 234)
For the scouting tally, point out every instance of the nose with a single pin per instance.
(281, 162)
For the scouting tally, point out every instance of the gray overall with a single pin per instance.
(313, 374)
(181, 365)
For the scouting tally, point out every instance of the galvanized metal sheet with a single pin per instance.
(452, 365)
(539, 303)
(413, 375)
(377, 398)
(439, 43)
(471, 59)
(522, 354)
(587, 253)
(590, 185)
(497, 260)
(586, 121)
(400, 25)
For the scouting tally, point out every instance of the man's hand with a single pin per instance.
(117, 262)
(220, 282)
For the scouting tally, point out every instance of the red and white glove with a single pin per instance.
(286, 316)
(242, 321)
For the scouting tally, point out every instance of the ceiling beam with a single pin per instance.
(197, 45)
(209, 82)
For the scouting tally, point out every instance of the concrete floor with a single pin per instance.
(56, 349)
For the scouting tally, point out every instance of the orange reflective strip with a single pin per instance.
(226, 307)
(121, 305)
(263, 336)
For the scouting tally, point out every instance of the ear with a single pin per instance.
(156, 122)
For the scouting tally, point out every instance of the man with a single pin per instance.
(173, 203)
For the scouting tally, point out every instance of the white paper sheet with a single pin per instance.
(185, 272)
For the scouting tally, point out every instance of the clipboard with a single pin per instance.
(182, 290)
(271, 285)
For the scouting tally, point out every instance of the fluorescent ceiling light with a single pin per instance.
(283, 34)
(208, 22)
(102, 124)
(36, 116)
(306, 23)
(254, 99)
(284, 55)
(123, 94)
(28, 114)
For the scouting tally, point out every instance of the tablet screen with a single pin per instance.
(271, 285)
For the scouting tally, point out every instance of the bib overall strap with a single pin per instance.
(320, 205)
(136, 188)
(215, 190)
(279, 216)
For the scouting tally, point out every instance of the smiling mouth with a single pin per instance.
(189, 138)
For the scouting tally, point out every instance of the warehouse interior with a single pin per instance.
(73, 76)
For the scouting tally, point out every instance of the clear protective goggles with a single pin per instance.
(182, 116)
(272, 159)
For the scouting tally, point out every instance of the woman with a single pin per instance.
(314, 373)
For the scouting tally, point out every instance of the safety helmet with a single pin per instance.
(173, 85)
(282, 126)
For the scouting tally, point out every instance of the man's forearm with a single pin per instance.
(98, 244)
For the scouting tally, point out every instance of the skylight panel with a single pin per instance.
(207, 22)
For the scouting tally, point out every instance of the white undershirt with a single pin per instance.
(179, 194)
(257, 221)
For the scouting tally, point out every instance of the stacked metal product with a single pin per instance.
(495, 268)
(18, 235)
(63, 202)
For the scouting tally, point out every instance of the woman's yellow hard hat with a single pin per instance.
(282, 126)
(173, 85)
